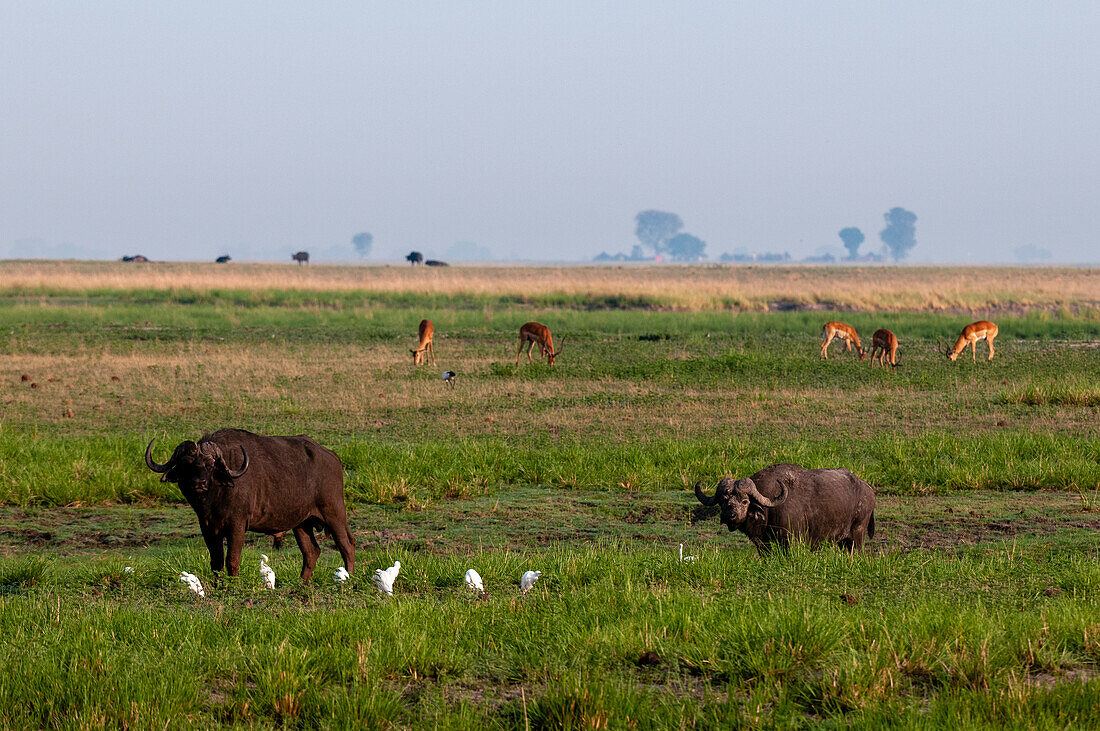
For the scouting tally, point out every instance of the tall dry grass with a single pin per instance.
(687, 287)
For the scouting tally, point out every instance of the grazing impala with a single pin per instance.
(533, 333)
(420, 355)
(847, 333)
(884, 341)
(971, 334)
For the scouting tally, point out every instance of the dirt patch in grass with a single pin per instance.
(531, 517)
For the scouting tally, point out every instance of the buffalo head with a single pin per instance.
(194, 467)
(739, 500)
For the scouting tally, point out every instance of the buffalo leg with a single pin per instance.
(307, 544)
(233, 554)
(215, 546)
(345, 544)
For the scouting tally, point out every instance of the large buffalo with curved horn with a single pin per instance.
(785, 502)
(238, 481)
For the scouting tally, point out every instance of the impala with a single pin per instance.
(884, 341)
(425, 348)
(970, 335)
(532, 333)
(847, 333)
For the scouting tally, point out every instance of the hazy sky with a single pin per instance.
(538, 130)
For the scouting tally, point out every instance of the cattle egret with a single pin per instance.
(449, 378)
(527, 581)
(193, 581)
(266, 572)
(384, 579)
(128, 570)
(341, 575)
(683, 557)
(473, 580)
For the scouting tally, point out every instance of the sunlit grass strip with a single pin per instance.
(688, 287)
(56, 471)
(1073, 392)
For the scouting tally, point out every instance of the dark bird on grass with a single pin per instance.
(449, 378)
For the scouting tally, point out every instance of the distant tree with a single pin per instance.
(362, 243)
(852, 238)
(655, 228)
(1031, 252)
(685, 247)
(636, 253)
(899, 236)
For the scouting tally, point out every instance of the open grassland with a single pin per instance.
(722, 287)
(972, 610)
(639, 400)
(976, 604)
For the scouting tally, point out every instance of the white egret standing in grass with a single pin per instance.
(527, 581)
(473, 580)
(193, 581)
(385, 578)
(266, 572)
(683, 557)
(341, 575)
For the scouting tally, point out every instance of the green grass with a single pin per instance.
(973, 638)
(640, 400)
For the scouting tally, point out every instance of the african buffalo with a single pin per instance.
(238, 481)
(786, 502)
(302, 257)
(415, 257)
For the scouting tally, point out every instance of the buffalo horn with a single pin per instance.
(769, 502)
(703, 497)
(160, 468)
(237, 473)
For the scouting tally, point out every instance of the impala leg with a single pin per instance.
(530, 347)
(520, 351)
(989, 341)
(974, 350)
(431, 350)
(825, 346)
